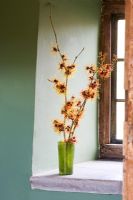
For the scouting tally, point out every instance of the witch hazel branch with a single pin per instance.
(73, 108)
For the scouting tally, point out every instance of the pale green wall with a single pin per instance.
(18, 38)
(76, 27)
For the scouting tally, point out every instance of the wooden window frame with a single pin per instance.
(114, 100)
(107, 150)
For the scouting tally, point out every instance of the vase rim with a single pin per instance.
(61, 141)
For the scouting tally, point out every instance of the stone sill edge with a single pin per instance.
(76, 185)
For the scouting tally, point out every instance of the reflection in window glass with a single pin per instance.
(120, 113)
(121, 39)
(120, 80)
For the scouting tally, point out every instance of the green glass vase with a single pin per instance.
(66, 158)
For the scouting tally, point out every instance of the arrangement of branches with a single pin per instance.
(73, 108)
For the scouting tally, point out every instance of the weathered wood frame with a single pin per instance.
(128, 133)
(109, 7)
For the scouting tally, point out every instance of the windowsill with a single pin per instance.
(111, 151)
(103, 177)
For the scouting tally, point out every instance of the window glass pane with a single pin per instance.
(121, 39)
(120, 92)
(120, 116)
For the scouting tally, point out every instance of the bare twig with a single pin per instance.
(62, 58)
(65, 104)
(56, 39)
(73, 125)
(76, 57)
(66, 89)
(50, 81)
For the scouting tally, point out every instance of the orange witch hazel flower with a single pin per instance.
(66, 68)
(105, 69)
(58, 126)
(54, 49)
(70, 69)
(91, 69)
(72, 140)
(89, 93)
(73, 109)
(60, 87)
